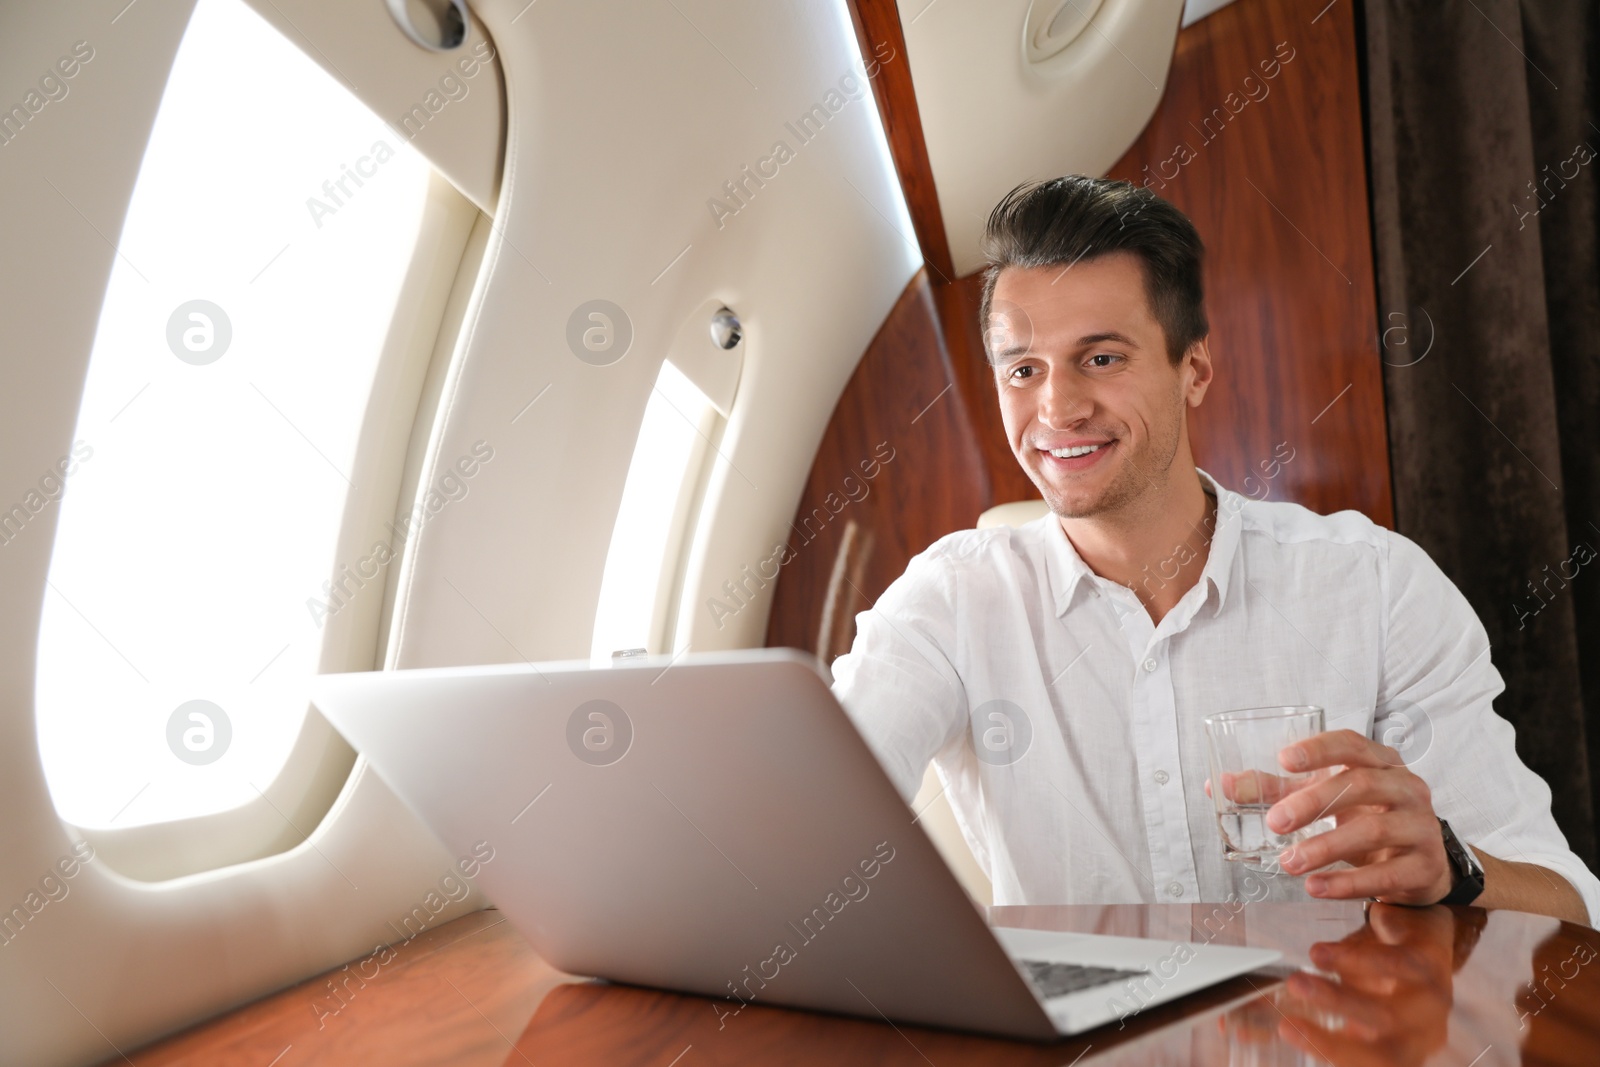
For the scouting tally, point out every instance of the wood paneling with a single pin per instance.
(1271, 171)
(474, 993)
(898, 468)
(878, 26)
(1276, 185)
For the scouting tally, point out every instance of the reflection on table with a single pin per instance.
(1384, 985)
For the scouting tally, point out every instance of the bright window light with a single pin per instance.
(645, 546)
(257, 272)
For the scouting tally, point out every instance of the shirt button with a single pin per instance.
(1161, 778)
(1175, 889)
(1150, 664)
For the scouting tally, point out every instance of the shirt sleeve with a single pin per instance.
(1436, 707)
(898, 682)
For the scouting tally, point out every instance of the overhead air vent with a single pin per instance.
(1052, 25)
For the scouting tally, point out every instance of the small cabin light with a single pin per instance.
(437, 25)
(726, 332)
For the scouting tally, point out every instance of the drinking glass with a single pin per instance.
(1246, 778)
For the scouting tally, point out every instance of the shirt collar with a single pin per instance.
(1067, 569)
(1224, 540)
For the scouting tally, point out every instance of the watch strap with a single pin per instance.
(1466, 874)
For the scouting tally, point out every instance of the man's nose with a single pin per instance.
(1064, 402)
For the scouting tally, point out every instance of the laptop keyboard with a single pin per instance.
(1059, 979)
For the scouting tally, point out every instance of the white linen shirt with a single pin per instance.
(1067, 728)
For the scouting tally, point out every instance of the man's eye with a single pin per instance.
(1022, 372)
(1106, 357)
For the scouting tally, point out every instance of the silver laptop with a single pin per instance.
(715, 825)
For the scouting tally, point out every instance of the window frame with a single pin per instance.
(420, 342)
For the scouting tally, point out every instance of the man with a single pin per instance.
(1057, 673)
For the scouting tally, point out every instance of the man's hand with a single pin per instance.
(1386, 829)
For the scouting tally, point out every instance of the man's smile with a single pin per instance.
(1078, 455)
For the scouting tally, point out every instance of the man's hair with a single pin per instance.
(1063, 221)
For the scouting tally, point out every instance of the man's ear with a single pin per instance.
(1197, 371)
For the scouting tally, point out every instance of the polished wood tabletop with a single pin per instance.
(1384, 985)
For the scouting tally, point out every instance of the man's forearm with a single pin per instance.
(1528, 887)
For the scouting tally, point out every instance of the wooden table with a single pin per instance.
(1457, 986)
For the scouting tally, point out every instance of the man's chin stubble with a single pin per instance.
(1108, 500)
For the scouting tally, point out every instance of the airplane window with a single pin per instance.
(273, 219)
(642, 563)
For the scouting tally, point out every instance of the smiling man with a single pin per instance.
(1057, 673)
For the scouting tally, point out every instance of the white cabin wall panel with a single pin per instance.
(606, 197)
(114, 959)
(624, 128)
(139, 960)
(66, 175)
(462, 111)
(992, 120)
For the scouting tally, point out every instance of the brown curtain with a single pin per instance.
(1483, 153)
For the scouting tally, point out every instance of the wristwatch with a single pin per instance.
(1467, 875)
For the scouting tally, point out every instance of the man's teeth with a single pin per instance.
(1069, 453)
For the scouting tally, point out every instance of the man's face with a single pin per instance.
(1093, 407)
